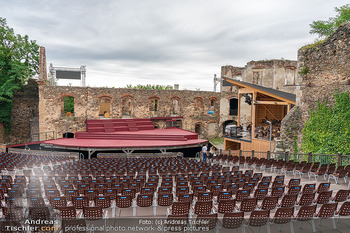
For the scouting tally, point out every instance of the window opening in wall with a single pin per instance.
(175, 106)
(257, 75)
(233, 107)
(198, 106)
(126, 106)
(155, 105)
(68, 105)
(105, 107)
(212, 102)
(197, 128)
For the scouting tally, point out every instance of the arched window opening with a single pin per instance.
(68, 106)
(105, 107)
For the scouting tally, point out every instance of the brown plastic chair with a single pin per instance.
(260, 194)
(185, 197)
(277, 192)
(69, 193)
(179, 208)
(269, 203)
(306, 213)
(292, 190)
(324, 197)
(342, 195)
(309, 188)
(282, 216)
(91, 193)
(165, 199)
(111, 192)
(36, 202)
(226, 206)
(68, 212)
(92, 212)
(6, 226)
(233, 221)
(306, 199)
(178, 222)
(57, 202)
(242, 194)
(248, 204)
(13, 213)
(124, 201)
(203, 207)
(323, 187)
(288, 201)
(259, 218)
(80, 202)
(344, 210)
(327, 211)
(205, 196)
(224, 195)
(104, 201)
(293, 182)
(206, 221)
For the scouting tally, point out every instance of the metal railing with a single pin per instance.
(339, 159)
(43, 136)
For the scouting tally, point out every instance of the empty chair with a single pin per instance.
(80, 202)
(306, 213)
(293, 182)
(57, 202)
(259, 218)
(224, 195)
(165, 199)
(206, 221)
(344, 210)
(269, 203)
(185, 197)
(124, 201)
(10, 226)
(306, 199)
(277, 192)
(342, 195)
(13, 213)
(242, 194)
(294, 190)
(324, 197)
(68, 212)
(179, 208)
(288, 201)
(203, 207)
(92, 212)
(233, 221)
(40, 213)
(36, 201)
(226, 206)
(321, 172)
(260, 194)
(205, 196)
(309, 188)
(327, 211)
(323, 187)
(104, 201)
(336, 176)
(284, 215)
(248, 205)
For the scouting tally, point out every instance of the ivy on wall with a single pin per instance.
(19, 58)
(328, 129)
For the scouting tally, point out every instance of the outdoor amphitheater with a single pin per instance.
(60, 193)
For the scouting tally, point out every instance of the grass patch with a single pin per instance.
(217, 141)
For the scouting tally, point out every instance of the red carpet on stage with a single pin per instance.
(128, 133)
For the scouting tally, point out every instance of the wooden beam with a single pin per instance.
(239, 110)
(271, 102)
(242, 85)
(245, 90)
(253, 116)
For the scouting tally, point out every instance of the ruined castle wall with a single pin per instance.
(323, 69)
(24, 110)
(87, 104)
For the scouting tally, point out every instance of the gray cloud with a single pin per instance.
(161, 41)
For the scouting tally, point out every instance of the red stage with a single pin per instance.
(127, 134)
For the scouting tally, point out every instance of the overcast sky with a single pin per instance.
(165, 42)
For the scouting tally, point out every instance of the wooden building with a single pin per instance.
(267, 105)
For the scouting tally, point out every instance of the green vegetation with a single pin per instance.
(314, 45)
(217, 141)
(325, 28)
(68, 104)
(150, 87)
(328, 129)
(19, 58)
(304, 70)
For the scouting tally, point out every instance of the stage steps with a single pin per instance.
(118, 125)
(98, 135)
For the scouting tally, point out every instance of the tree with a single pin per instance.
(325, 28)
(19, 59)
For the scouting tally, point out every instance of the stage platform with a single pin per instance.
(127, 135)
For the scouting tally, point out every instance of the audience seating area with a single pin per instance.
(230, 193)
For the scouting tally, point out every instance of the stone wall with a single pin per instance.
(194, 106)
(25, 108)
(323, 69)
